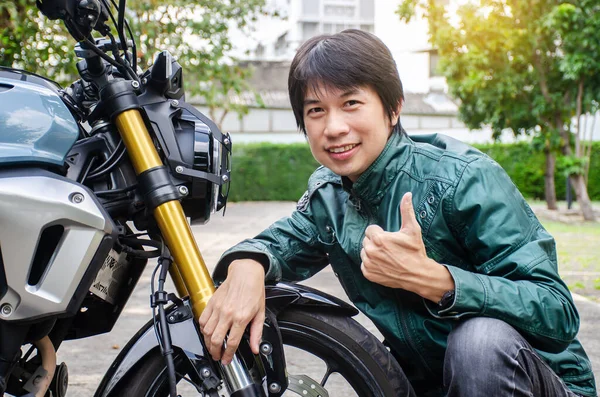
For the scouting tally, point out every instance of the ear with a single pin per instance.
(396, 114)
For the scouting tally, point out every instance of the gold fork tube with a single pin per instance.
(190, 264)
(137, 140)
(178, 280)
(170, 217)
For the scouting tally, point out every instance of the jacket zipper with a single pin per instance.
(366, 211)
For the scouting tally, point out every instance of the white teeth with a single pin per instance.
(341, 149)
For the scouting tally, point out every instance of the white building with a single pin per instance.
(409, 44)
(427, 109)
(277, 40)
(308, 18)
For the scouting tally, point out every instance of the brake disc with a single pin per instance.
(306, 386)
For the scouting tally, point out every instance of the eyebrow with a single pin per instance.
(350, 92)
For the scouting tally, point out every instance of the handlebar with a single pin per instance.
(80, 16)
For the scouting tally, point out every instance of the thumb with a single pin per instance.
(407, 212)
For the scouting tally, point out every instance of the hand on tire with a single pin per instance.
(239, 301)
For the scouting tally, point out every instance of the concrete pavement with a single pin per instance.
(89, 358)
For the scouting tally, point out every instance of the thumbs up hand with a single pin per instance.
(409, 225)
(398, 259)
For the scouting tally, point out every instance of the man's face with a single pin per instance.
(346, 130)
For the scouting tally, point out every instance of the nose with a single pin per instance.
(336, 125)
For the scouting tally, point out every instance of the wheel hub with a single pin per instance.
(305, 386)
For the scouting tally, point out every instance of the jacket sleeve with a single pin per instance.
(516, 277)
(289, 249)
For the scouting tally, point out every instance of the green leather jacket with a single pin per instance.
(473, 220)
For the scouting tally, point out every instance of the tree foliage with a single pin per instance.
(511, 67)
(576, 25)
(195, 33)
(30, 41)
(501, 64)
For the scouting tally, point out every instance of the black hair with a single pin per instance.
(345, 60)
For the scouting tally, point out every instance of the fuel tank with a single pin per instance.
(36, 127)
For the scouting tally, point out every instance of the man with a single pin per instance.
(429, 237)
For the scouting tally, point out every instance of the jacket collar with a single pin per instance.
(373, 183)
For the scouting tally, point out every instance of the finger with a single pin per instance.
(365, 272)
(373, 233)
(209, 324)
(372, 230)
(208, 330)
(368, 253)
(207, 342)
(407, 213)
(215, 345)
(205, 316)
(256, 329)
(233, 341)
(363, 254)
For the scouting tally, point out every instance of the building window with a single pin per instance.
(310, 7)
(367, 9)
(309, 29)
(339, 11)
(331, 28)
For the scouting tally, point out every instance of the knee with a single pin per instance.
(481, 341)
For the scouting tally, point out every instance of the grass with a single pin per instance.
(578, 248)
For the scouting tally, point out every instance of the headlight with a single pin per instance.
(206, 153)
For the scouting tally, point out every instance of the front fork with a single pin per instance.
(189, 272)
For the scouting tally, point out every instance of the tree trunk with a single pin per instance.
(580, 131)
(578, 182)
(549, 188)
(582, 197)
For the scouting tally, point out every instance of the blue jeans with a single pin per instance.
(487, 357)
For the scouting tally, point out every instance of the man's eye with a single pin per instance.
(314, 110)
(352, 102)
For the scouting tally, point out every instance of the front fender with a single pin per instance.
(282, 295)
(184, 334)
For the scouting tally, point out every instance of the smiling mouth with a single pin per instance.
(342, 149)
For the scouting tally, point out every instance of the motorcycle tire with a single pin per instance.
(355, 361)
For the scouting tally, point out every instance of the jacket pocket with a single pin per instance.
(429, 203)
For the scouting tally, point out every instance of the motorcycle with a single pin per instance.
(81, 168)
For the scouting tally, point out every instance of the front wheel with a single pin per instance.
(322, 350)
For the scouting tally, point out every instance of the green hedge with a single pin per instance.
(526, 168)
(268, 171)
